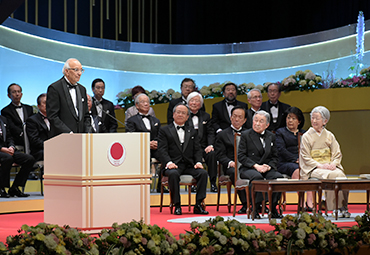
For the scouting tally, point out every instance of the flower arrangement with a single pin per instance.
(49, 239)
(136, 238)
(302, 80)
(217, 236)
(214, 236)
(310, 230)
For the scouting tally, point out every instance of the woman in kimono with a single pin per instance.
(320, 157)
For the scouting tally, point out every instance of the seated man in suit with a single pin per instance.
(143, 122)
(200, 121)
(225, 149)
(96, 124)
(255, 100)
(274, 107)
(187, 86)
(102, 107)
(180, 152)
(221, 111)
(258, 157)
(37, 129)
(16, 113)
(8, 156)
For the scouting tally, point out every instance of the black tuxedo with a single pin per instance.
(225, 153)
(172, 104)
(61, 111)
(251, 152)
(185, 156)
(37, 133)
(206, 135)
(136, 124)
(14, 121)
(26, 161)
(266, 106)
(220, 115)
(108, 107)
(249, 123)
(97, 126)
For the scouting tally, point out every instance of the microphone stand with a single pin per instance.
(107, 113)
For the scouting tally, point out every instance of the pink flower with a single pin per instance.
(144, 241)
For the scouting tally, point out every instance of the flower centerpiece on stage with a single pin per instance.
(136, 238)
(217, 236)
(50, 239)
(306, 80)
(310, 231)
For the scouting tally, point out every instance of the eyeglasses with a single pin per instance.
(77, 70)
(256, 97)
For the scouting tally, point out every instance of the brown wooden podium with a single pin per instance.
(94, 180)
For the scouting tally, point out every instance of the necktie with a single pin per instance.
(194, 114)
(181, 127)
(273, 105)
(231, 103)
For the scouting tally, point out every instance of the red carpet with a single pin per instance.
(10, 223)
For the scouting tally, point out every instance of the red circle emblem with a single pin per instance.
(116, 153)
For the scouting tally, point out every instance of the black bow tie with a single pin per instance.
(181, 127)
(145, 116)
(262, 135)
(17, 106)
(194, 114)
(70, 86)
(97, 102)
(236, 131)
(273, 105)
(231, 103)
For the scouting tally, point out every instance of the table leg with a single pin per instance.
(336, 201)
(367, 199)
(253, 203)
(270, 201)
(320, 197)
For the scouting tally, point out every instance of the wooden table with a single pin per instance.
(271, 186)
(345, 184)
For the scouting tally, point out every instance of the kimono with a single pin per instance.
(320, 149)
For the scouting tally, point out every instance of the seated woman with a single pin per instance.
(320, 157)
(287, 142)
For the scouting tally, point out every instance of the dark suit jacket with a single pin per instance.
(206, 132)
(249, 123)
(170, 149)
(252, 152)
(37, 132)
(61, 112)
(172, 104)
(225, 146)
(99, 126)
(281, 116)
(7, 140)
(108, 107)
(220, 116)
(136, 124)
(14, 121)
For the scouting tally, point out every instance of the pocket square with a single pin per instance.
(155, 124)
(83, 99)
(107, 111)
(204, 122)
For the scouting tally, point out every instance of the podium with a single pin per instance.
(94, 180)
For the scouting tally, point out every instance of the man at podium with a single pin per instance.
(180, 152)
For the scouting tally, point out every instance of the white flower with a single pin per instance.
(260, 87)
(104, 236)
(50, 243)
(301, 234)
(29, 250)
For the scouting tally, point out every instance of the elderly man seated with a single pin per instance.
(180, 152)
(258, 156)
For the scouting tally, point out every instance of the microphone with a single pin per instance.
(107, 113)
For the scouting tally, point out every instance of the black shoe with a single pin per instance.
(308, 209)
(3, 193)
(276, 215)
(177, 210)
(243, 210)
(165, 190)
(194, 189)
(213, 188)
(257, 215)
(32, 176)
(259, 209)
(198, 209)
(15, 191)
